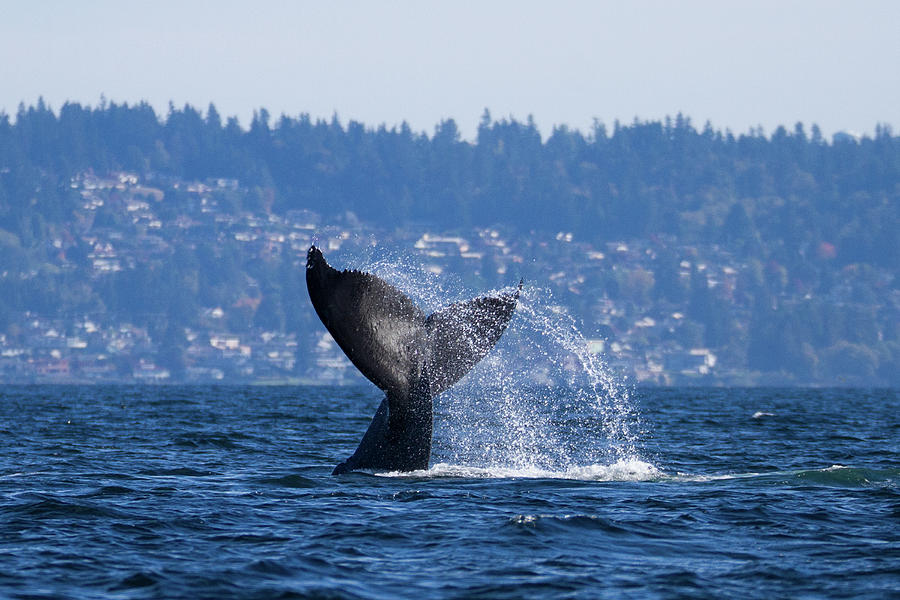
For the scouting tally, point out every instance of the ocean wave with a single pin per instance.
(40, 506)
(839, 475)
(177, 472)
(578, 522)
(227, 441)
(291, 480)
(712, 504)
(836, 475)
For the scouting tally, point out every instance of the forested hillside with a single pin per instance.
(791, 189)
(809, 225)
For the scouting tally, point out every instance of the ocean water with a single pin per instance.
(226, 492)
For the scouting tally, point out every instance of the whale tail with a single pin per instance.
(409, 356)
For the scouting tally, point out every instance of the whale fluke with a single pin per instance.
(461, 334)
(409, 356)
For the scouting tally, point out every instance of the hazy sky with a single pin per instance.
(737, 64)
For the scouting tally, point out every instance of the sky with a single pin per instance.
(736, 64)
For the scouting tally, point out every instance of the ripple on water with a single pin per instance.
(143, 579)
(109, 491)
(567, 523)
(178, 472)
(716, 504)
(833, 476)
(43, 507)
(289, 481)
(841, 476)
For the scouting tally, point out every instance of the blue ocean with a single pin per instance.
(227, 492)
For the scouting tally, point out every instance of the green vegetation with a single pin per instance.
(814, 226)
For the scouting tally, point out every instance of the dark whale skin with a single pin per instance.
(409, 356)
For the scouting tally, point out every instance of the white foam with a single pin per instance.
(628, 469)
(759, 414)
(790, 473)
(702, 478)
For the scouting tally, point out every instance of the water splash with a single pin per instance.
(621, 470)
(540, 402)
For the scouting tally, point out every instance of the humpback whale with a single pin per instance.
(409, 356)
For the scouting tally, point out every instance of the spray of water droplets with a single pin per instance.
(540, 402)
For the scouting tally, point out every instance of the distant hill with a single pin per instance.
(788, 192)
(811, 227)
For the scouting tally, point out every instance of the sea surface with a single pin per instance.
(227, 492)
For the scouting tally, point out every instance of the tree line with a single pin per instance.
(791, 190)
(800, 210)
